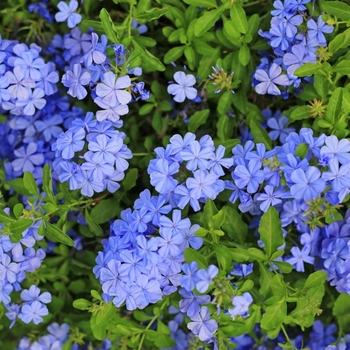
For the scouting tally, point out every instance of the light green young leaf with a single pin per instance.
(307, 69)
(30, 183)
(239, 18)
(338, 9)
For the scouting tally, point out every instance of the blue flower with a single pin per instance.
(184, 87)
(202, 185)
(27, 157)
(267, 81)
(94, 54)
(250, 176)
(33, 312)
(278, 128)
(161, 178)
(336, 149)
(202, 326)
(190, 278)
(270, 197)
(33, 294)
(70, 142)
(241, 305)
(317, 30)
(75, 80)
(111, 89)
(299, 257)
(307, 185)
(34, 100)
(190, 303)
(297, 58)
(67, 13)
(205, 278)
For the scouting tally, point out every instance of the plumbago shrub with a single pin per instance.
(174, 174)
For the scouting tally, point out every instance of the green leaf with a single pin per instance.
(271, 231)
(194, 255)
(146, 109)
(81, 304)
(20, 226)
(308, 307)
(239, 18)
(238, 254)
(18, 210)
(341, 310)
(300, 113)
(201, 3)
(190, 56)
(321, 85)
(284, 266)
(260, 134)
(219, 219)
(130, 179)
(106, 313)
(302, 150)
(337, 9)
(47, 184)
(315, 279)
(266, 281)
(198, 119)
(307, 69)
(4, 218)
(224, 257)
(53, 233)
(334, 106)
(208, 213)
(247, 285)
(253, 24)
(224, 103)
(274, 315)
(256, 254)
(108, 26)
(346, 101)
(343, 67)
(104, 211)
(149, 61)
(207, 21)
(336, 43)
(93, 226)
(244, 55)
(234, 226)
(173, 54)
(152, 14)
(18, 186)
(98, 330)
(30, 183)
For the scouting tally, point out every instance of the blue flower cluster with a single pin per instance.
(86, 64)
(99, 167)
(16, 259)
(25, 78)
(188, 171)
(292, 44)
(143, 259)
(55, 339)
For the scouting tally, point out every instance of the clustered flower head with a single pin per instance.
(293, 46)
(55, 339)
(16, 260)
(98, 168)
